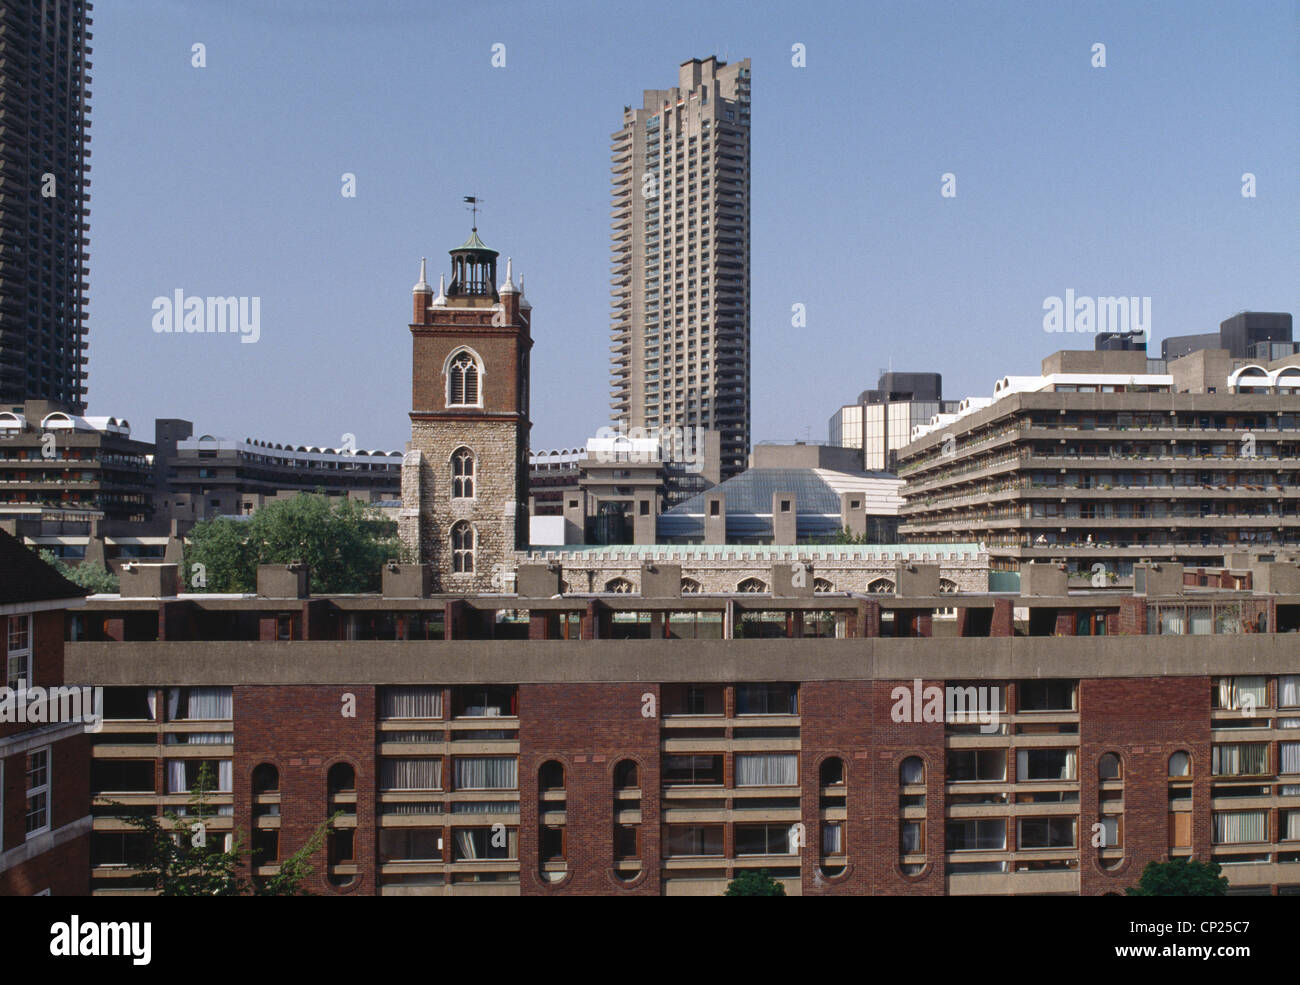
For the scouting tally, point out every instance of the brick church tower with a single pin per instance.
(465, 473)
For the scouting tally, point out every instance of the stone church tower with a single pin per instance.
(465, 473)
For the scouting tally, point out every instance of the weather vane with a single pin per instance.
(473, 202)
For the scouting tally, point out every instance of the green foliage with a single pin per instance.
(95, 577)
(182, 857)
(751, 883)
(1181, 877)
(344, 544)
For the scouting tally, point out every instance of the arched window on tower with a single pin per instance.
(462, 548)
(462, 381)
(462, 474)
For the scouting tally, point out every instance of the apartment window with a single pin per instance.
(1239, 759)
(912, 770)
(462, 381)
(626, 775)
(1045, 695)
(472, 844)
(1232, 693)
(186, 704)
(342, 778)
(486, 773)
(1288, 691)
(693, 839)
(767, 699)
(777, 769)
(18, 640)
(832, 838)
(38, 791)
(462, 548)
(832, 772)
(762, 839)
(551, 776)
(410, 845)
(1288, 757)
(976, 834)
(1045, 764)
(687, 770)
(183, 774)
(410, 702)
(266, 779)
(462, 474)
(692, 699)
(485, 701)
(976, 765)
(1108, 767)
(1180, 764)
(911, 837)
(1240, 827)
(1047, 832)
(411, 774)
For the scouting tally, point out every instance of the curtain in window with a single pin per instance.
(1240, 759)
(176, 776)
(173, 703)
(1199, 622)
(207, 738)
(1110, 832)
(410, 774)
(1288, 757)
(833, 838)
(412, 702)
(1288, 723)
(1238, 827)
(465, 845)
(911, 840)
(1288, 691)
(1173, 622)
(225, 776)
(777, 769)
(151, 696)
(912, 771)
(1233, 691)
(486, 773)
(1292, 832)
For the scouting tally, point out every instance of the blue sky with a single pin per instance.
(225, 180)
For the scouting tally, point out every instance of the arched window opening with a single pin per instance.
(462, 548)
(462, 474)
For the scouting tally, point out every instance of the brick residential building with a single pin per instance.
(660, 743)
(44, 766)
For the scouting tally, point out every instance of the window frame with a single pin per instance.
(23, 653)
(43, 789)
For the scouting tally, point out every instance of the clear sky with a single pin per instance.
(226, 180)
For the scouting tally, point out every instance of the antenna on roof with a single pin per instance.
(473, 201)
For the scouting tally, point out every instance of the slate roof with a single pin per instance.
(24, 577)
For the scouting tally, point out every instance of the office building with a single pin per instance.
(1263, 335)
(881, 421)
(680, 321)
(44, 211)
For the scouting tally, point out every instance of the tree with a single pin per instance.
(751, 883)
(343, 543)
(94, 576)
(185, 858)
(1181, 877)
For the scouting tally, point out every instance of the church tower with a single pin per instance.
(465, 473)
